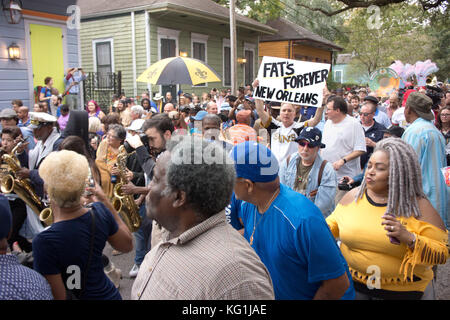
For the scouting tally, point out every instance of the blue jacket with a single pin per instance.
(326, 192)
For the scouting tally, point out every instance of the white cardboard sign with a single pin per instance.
(291, 81)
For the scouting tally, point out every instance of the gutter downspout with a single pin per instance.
(147, 48)
(133, 52)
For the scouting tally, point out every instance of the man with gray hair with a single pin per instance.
(136, 112)
(200, 256)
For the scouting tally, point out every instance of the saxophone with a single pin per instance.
(22, 187)
(124, 204)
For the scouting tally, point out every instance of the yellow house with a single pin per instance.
(295, 42)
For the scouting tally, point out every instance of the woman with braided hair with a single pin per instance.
(391, 236)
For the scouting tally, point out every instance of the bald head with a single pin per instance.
(169, 107)
(22, 113)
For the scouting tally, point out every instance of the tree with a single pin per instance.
(399, 33)
(345, 5)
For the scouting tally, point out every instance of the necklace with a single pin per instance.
(266, 207)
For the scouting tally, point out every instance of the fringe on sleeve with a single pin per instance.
(426, 251)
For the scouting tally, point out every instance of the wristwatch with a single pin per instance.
(345, 161)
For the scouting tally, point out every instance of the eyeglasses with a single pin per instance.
(304, 144)
(445, 115)
(365, 114)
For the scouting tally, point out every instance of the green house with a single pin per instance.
(123, 38)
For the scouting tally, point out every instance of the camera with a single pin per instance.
(344, 185)
(144, 140)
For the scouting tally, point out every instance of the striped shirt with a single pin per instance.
(210, 261)
(429, 145)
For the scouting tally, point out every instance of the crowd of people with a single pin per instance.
(235, 197)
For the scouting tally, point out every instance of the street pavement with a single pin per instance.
(125, 262)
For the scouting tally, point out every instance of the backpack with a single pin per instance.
(37, 92)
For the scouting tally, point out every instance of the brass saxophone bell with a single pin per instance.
(7, 184)
(116, 203)
(46, 216)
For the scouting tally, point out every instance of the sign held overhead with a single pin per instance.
(291, 81)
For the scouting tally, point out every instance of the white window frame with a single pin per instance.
(250, 47)
(342, 75)
(225, 43)
(94, 55)
(165, 33)
(200, 38)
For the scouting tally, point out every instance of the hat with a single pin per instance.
(37, 119)
(5, 217)
(200, 115)
(251, 99)
(395, 131)
(243, 116)
(8, 113)
(157, 96)
(136, 125)
(421, 104)
(255, 162)
(371, 99)
(225, 106)
(312, 135)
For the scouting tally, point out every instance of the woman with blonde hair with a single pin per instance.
(391, 236)
(69, 253)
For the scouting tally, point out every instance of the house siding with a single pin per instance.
(119, 28)
(14, 75)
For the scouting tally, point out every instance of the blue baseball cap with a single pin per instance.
(312, 135)
(255, 162)
(5, 217)
(200, 115)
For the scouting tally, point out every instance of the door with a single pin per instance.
(47, 55)
(169, 49)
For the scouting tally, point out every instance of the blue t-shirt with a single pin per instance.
(295, 244)
(232, 211)
(67, 243)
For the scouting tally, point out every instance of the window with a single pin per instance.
(338, 76)
(249, 65)
(103, 63)
(199, 45)
(226, 66)
(168, 47)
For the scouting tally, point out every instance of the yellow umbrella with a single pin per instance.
(179, 70)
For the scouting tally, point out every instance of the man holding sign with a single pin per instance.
(289, 82)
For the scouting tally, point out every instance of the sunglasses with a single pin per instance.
(365, 114)
(304, 144)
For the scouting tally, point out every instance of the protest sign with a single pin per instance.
(291, 81)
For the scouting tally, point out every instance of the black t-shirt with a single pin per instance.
(66, 244)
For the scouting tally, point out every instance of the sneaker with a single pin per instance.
(134, 271)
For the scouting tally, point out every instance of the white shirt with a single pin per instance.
(381, 117)
(282, 140)
(340, 140)
(398, 118)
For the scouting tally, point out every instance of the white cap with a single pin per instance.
(38, 118)
(136, 125)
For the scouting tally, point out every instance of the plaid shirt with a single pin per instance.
(18, 282)
(210, 261)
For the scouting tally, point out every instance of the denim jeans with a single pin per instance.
(143, 236)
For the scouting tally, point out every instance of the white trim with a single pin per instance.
(133, 53)
(225, 43)
(164, 33)
(148, 49)
(27, 20)
(94, 52)
(200, 38)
